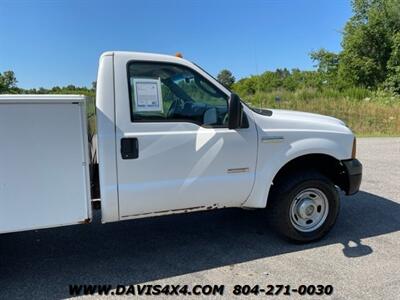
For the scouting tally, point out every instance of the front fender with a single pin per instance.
(275, 154)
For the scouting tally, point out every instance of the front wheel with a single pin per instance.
(304, 206)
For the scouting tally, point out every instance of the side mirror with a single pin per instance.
(235, 112)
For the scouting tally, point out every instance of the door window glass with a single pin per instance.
(161, 92)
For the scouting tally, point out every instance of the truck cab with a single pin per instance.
(172, 139)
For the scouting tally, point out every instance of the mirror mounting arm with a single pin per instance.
(235, 112)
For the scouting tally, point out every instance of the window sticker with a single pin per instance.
(148, 95)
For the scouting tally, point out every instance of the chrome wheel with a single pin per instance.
(309, 209)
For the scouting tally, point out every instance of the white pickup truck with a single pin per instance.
(170, 139)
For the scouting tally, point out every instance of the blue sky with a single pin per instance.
(58, 42)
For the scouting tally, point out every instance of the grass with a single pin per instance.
(373, 114)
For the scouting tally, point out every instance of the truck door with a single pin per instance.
(174, 149)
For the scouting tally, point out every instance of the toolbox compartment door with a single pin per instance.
(44, 179)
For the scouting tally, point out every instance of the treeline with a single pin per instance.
(69, 89)
(8, 84)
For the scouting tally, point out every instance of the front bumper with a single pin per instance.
(353, 169)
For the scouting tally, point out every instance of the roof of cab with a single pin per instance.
(146, 56)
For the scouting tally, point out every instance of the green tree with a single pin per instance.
(368, 42)
(226, 78)
(246, 86)
(327, 64)
(8, 82)
(392, 82)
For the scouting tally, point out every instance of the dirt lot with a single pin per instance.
(360, 258)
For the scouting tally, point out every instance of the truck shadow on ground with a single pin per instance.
(43, 263)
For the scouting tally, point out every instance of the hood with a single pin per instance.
(305, 116)
(296, 120)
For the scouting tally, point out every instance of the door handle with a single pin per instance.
(129, 148)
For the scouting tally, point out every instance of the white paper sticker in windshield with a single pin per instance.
(148, 95)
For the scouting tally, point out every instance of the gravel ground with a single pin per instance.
(360, 258)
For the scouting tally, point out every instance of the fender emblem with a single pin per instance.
(272, 139)
(237, 170)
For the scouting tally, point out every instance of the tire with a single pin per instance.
(304, 206)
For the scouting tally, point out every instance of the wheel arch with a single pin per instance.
(327, 165)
